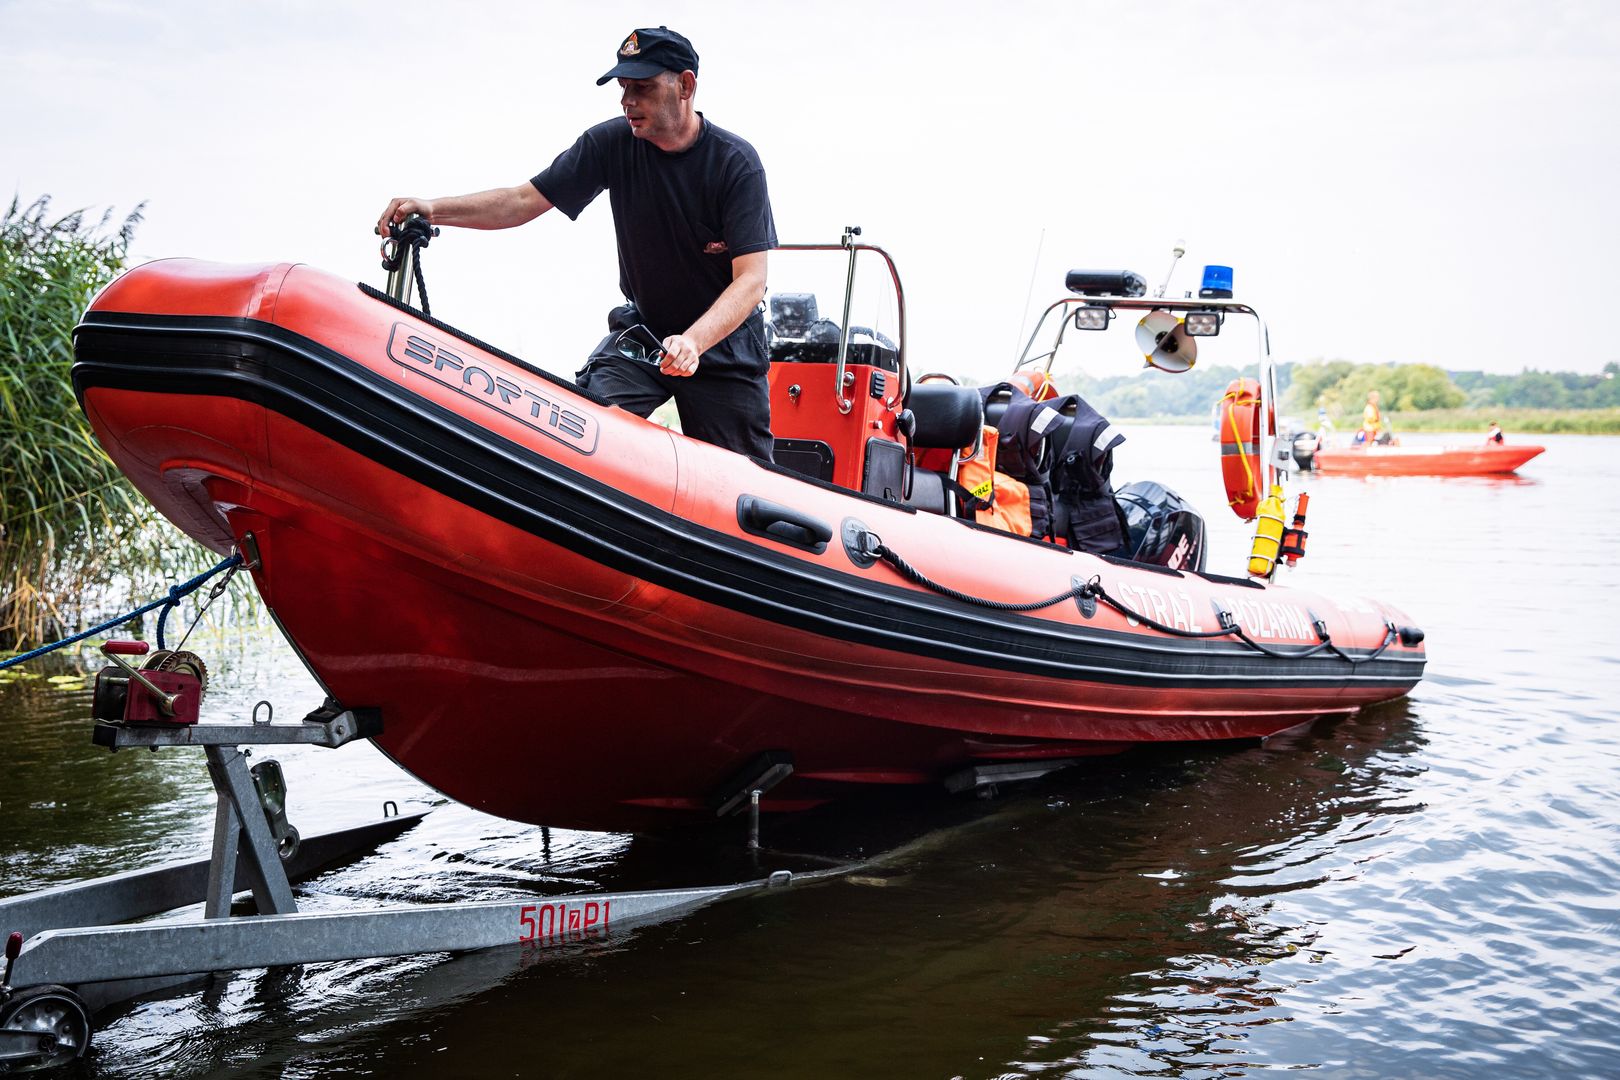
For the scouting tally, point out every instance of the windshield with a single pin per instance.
(806, 310)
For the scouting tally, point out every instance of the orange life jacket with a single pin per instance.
(1010, 510)
(1008, 499)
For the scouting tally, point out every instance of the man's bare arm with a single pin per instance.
(498, 208)
(730, 308)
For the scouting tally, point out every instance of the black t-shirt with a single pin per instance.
(680, 218)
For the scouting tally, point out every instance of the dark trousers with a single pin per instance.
(726, 407)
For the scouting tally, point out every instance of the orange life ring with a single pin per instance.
(1240, 447)
(1037, 384)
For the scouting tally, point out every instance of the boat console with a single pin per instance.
(838, 386)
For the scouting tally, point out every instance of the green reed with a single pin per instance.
(77, 542)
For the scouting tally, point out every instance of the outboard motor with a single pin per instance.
(1305, 444)
(1162, 528)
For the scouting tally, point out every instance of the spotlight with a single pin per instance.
(1092, 317)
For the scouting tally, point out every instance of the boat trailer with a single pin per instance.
(66, 957)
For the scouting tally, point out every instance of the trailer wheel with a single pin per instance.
(42, 1027)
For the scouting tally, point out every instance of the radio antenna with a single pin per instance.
(1028, 295)
(1175, 256)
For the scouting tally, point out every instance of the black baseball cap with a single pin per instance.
(648, 51)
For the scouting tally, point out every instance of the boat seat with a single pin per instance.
(948, 417)
(927, 491)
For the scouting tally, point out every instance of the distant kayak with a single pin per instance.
(1490, 459)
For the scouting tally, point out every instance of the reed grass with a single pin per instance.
(77, 542)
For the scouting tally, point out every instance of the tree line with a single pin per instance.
(1340, 387)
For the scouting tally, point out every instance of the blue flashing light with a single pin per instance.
(1217, 282)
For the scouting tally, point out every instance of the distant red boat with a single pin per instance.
(1490, 459)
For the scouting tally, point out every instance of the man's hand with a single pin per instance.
(400, 209)
(680, 356)
(497, 208)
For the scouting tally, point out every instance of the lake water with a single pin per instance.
(1430, 888)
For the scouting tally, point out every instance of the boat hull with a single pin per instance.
(1489, 460)
(563, 620)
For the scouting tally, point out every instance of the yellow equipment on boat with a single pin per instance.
(1268, 532)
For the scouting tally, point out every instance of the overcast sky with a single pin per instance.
(1430, 181)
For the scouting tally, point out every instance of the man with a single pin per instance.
(1372, 418)
(693, 222)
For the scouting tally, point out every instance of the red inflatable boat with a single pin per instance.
(572, 616)
(1490, 459)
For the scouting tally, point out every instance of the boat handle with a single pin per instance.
(782, 524)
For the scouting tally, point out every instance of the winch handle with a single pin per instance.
(116, 650)
(126, 648)
(14, 945)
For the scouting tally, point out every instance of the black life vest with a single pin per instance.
(1024, 426)
(1023, 449)
(1085, 513)
(1067, 465)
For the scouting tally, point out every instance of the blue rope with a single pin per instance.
(168, 602)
